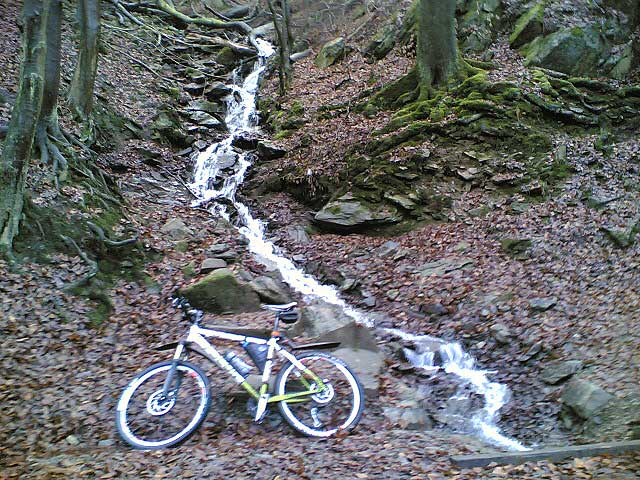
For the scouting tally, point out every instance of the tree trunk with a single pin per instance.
(48, 119)
(283, 32)
(14, 162)
(84, 76)
(437, 58)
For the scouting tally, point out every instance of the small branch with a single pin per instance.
(173, 175)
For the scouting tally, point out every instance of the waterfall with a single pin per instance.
(242, 119)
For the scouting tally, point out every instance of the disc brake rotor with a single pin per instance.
(159, 404)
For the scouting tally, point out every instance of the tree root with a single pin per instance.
(94, 269)
(108, 242)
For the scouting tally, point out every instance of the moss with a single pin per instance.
(528, 26)
(296, 109)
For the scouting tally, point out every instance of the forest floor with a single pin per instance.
(63, 373)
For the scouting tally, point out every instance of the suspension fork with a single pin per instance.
(172, 370)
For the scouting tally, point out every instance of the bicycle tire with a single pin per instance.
(339, 409)
(146, 387)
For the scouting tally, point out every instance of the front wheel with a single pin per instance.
(149, 419)
(338, 406)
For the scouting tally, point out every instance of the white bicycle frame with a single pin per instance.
(198, 336)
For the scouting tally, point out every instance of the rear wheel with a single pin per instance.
(337, 407)
(148, 419)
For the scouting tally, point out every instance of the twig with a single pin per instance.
(181, 181)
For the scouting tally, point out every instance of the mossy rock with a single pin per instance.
(221, 292)
(331, 53)
(349, 214)
(574, 51)
(382, 43)
(529, 26)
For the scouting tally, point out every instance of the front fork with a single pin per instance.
(166, 388)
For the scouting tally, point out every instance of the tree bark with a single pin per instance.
(48, 118)
(437, 58)
(283, 32)
(84, 75)
(16, 155)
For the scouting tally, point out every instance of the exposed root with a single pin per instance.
(94, 269)
(108, 242)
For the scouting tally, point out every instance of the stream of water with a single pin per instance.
(220, 170)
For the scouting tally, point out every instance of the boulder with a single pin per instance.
(270, 151)
(323, 322)
(557, 372)
(347, 214)
(529, 26)
(574, 51)
(382, 43)
(221, 292)
(166, 128)
(331, 53)
(478, 24)
(270, 290)
(211, 264)
(176, 229)
(408, 418)
(515, 246)
(584, 398)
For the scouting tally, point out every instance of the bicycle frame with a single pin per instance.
(198, 336)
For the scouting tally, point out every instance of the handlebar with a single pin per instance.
(188, 312)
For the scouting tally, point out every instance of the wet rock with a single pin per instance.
(444, 266)
(230, 256)
(349, 284)
(227, 160)
(211, 264)
(211, 108)
(557, 372)
(270, 290)
(221, 292)
(206, 120)
(176, 229)
(347, 214)
(245, 141)
(542, 304)
(584, 398)
(270, 151)
(330, 53)
(217, 90)
(323, 322)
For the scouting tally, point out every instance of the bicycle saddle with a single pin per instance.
(280, 308)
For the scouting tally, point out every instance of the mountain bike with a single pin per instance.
(316, 393)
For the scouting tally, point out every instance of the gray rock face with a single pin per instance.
(443, 266)
(501, 333)
(270, 291)
(331, 53)
(348, 214)
(322, 322)
(542, 304)
(584, 398)
(211, 264)
(176, 229)
(221, 292)
(409, 418)
(270, 151)
(575, 51)
(528, 26)
(557, 372)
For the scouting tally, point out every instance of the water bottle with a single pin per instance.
(236, 362)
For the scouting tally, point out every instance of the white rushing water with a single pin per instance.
(242, 119)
